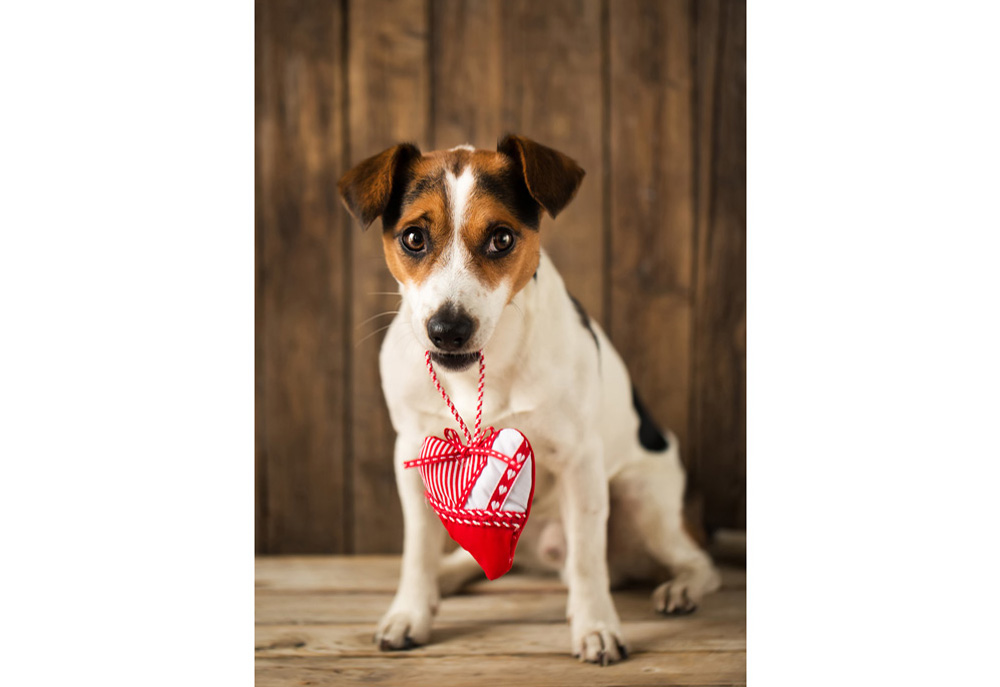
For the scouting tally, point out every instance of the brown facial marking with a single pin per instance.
(484, 215)
(491, 207)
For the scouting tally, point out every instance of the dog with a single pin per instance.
(460, 233)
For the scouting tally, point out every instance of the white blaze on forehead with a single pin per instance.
(464, 146)
(454, 279)
(459, 190)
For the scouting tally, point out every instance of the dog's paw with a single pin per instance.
(674, 598)
(682, 595)
(598, 643)
(400, 630)
(595, 631)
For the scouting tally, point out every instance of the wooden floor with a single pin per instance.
(315, 616)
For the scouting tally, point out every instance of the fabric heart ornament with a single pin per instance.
(481, 488)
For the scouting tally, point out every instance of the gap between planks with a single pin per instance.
(348, 574)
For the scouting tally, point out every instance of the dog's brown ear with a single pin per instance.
(551, 177)
(367, 188)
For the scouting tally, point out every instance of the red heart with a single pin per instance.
(482, 492)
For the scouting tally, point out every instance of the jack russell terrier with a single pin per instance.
(460, 231)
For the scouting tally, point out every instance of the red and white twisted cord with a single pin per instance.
(451, 406)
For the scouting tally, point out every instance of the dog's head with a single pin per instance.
(460, 231)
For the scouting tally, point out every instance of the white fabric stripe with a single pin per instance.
(523, 448)
(479, 477)
(508, 442)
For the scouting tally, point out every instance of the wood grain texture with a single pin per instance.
(301, 297)
(368, 574)
(652, 201)
(687, 668)
(315, 617)
(468, 72)
(478, 639)
(552, 93)
(511, 607)
(389, 85)
(719, 366)
(260, 455)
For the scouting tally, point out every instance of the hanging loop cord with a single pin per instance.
(469, 437)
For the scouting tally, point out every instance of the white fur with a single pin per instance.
(544, 376)
(459, 191)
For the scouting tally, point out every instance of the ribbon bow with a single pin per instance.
(454, 483)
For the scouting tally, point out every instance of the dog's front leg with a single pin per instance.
(595, 630)
(408, 622)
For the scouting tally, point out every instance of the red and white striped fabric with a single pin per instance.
(482, 491)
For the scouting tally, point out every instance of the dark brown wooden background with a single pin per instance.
(648, 95)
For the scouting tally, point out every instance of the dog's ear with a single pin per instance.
(367, 188)
(551, 177)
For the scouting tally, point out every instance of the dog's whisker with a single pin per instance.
(368, 336)
(381, 314)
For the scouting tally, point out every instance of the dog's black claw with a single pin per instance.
(680, 610)
(408, 644)
(602, 658)
(622, 650)
(687, 608)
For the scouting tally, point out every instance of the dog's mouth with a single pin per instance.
(455, 362)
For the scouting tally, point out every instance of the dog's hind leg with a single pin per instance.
(651, 492)
(458, 568)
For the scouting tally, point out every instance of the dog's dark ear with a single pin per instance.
(367, 188)
(551, 177)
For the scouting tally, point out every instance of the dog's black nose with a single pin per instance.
(449, 328)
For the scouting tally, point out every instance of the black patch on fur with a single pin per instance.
(509, 188)
(457, 160)
(423, 185)
(650, 436)
(400, 182)
(584, 319)
(551, 177)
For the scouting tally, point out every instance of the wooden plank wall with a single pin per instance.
(649, 97)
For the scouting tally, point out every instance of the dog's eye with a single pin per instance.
(502, 241)
(413, 239)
